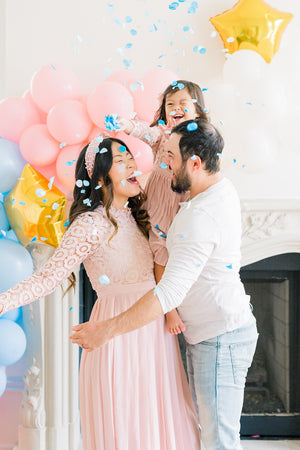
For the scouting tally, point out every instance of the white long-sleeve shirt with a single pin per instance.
(202, 277)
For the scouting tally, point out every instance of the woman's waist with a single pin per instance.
(126, 288)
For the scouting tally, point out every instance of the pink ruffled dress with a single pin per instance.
(162, 203)
(134, 393)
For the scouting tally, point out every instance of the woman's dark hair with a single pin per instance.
(201, 138)
(193, 89)
(88, 196)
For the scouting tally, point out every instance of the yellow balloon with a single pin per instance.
(36, 209)
(252, 25)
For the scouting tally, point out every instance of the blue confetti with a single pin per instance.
(202, 50)
(48, 217)
(86, 183)
(122, 148)
(87, 202)
(193, 157)
(55, 206)
(40, 193)
(104, 279)
(22, 203)
(161, 122)
(174, 83)
(98, 187)
(128, 19)
(34, 239)
(62, 145)
(155, 291)
(129, 45)
(43, 238)
(111, 122)
(186, 28)
(173, 6)
(162, 235)
(66, 223)
(123, 182)
(51, 181)
(133, 32)
(44, 200)
(234, 160)
(136, 173)
(163, 165)
(71, 307)
(180, 86)
(103, 150)
(192, 126)
(229, 266)
(78, 183)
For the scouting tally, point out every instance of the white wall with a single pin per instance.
(84, 36)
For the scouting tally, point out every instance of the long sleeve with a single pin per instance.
(191, 243)
(81, 239)
(150, 135)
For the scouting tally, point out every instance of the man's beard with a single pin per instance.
(182, 182)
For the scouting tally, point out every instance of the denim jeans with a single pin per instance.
(217, 370)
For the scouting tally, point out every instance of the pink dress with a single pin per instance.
(133, 391)
(162, 203)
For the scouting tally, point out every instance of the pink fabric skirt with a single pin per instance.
(134, 393)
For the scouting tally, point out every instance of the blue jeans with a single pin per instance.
(217, 370)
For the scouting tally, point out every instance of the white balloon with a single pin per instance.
(243, 66)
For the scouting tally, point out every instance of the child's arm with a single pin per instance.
(174, 323)
(150, 135)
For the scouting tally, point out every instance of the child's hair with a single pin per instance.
(195, 92)
(88, 196)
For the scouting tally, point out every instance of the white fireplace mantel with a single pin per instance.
(270, 227)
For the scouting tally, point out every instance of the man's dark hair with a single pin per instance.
(199, 137)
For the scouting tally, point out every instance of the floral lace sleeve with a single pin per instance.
(150, 135)
(81, 239)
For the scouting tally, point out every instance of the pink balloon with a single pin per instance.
(49, 172)
(66, 163)
(109, 98)
(28, 97)
(142, 152)
(96, 131)
(38, 146)
(69, 122)
(127, 79)
(147, 97)
(52, 84)
(16, 114)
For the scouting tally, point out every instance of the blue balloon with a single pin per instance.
(3, 380)
(14, 314)
(11, 164)
(10, 234)
(12, 342)
(15, 264)
(4, 223)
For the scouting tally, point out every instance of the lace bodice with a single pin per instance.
(127, 258)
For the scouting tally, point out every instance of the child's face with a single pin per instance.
(180, 106)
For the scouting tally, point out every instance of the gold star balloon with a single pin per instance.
(36, 209)
(252, 25)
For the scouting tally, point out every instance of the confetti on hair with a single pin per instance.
(126, 204)
(111, 122)
(192, 126)
(66, 224)
(163, 165)
(86, 183)
(122, 148)
(40, 193)
(104, 279)
(180, 86)
(82, 191)
(103, 150)
(78, 183)
(87, 202)
(98, 187)
(193, 157)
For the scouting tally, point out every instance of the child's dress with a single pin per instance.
(133, 391)
(162, 203)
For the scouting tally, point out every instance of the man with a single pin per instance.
(202, 280)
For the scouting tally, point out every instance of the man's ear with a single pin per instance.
(196, 162)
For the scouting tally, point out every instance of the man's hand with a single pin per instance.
(91, 335)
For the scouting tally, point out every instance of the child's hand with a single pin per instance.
(174, 323)
(126, 125)
(168, 127)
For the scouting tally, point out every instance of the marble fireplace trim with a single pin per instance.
(270, 227)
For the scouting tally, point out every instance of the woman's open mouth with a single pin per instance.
(133, 180)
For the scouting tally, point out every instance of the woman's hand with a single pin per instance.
(91, 335)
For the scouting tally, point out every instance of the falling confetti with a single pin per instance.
(192, 126)
(104, 279)
(111, 122)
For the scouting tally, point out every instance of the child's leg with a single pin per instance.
(174, 323)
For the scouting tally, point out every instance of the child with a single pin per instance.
(133, 392)
(182, 100)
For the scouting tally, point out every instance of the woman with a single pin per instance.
(133, 391)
